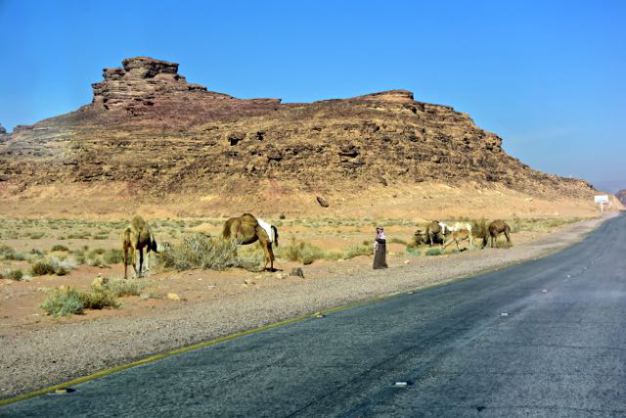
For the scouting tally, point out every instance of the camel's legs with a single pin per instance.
(265, 255)
(148, 260)
(271, 254)
(125, 262)
(140, 262)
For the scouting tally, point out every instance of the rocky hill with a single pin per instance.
(150, 132)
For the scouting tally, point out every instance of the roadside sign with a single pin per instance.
(601, 198)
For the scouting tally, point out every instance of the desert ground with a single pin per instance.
(174, 305)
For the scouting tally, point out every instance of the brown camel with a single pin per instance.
(135, 238)
(459, 236)
(494, 230)
(246, 229)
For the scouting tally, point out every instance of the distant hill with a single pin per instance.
(621, 196)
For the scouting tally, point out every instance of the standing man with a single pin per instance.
(380, 249)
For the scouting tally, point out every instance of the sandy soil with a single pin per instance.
(37, 351)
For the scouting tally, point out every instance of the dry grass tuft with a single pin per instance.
(200, 251)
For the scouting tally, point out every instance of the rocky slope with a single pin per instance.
(151, 130)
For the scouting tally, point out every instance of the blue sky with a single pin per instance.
(547, 76)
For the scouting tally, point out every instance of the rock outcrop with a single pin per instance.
(150, 92)
(621, 196)
(3, 134)
(148, 127)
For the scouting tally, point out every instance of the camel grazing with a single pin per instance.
(457, 236)
(436, 232)
(135, 238)
(246, 229)
(494, 230)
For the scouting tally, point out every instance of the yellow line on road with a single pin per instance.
(181, 350)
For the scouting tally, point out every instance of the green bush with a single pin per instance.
(412, 250)
(434, 251)
(16, 275)
(6, 252)
(60, 248)
(37, 235)
(113, 256)
(62, 302)
(79, 256)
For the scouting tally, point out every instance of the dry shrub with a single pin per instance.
(52, 265)
(99, 298)
(41, 268)
(200, 251)
(480, 228)
(122, 288)
(301, 251)
(358, 250)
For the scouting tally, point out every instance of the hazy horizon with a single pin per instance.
(547, 78)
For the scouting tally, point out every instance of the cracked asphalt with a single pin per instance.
(543, 339)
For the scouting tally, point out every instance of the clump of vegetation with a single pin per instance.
(79, 235)
(16, 274)
(359, 249)
(59, 248)
(113, 256)
(95, 257)
(303, 252)
(396, 240)
(37, 235)
(434, 251)
(67, 301)
(51, 265)
(99, 297)
(79, 256)
(41, 268)
(8, 253)
(122, 288)
(200, 251)
(479, 228)
(63, 301)
(412, 250)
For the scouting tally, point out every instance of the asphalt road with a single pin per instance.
(545, 338)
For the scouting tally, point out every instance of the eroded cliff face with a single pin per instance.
(147, 126)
